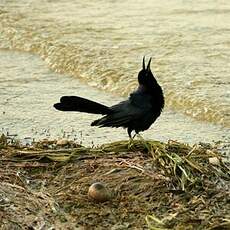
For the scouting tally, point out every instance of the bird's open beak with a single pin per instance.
(148, 66)
(143, 65)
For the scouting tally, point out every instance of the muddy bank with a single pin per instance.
(151, 184)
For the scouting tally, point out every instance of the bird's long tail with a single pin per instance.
(74, 103)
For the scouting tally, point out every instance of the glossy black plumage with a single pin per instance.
(137, 113)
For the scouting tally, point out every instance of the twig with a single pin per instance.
(139, 168)
(191, 151)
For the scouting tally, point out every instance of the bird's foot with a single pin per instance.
(139, 136)
(131, 140)
(144, 142)
(130, 143)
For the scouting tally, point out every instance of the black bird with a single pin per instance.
(137, 113)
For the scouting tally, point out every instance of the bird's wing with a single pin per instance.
(115, 120)
(120, 116)
(125, 112)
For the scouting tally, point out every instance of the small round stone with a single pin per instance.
(214, 161)
(98, 192)
(62, 142)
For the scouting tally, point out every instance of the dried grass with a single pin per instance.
(154, 185)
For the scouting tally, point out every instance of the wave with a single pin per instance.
(114, 67)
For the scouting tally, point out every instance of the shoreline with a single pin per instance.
(26, 108)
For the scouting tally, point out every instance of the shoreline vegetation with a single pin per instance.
(151, 185)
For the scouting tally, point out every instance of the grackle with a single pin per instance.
(137, 113)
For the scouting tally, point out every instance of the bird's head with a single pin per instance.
(145, 76)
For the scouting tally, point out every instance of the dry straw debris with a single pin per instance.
(152, 185)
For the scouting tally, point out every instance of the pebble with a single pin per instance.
(98, 192)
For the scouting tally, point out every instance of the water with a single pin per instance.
(28, 89)
(101, 43)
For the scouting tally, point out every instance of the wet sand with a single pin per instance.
(28, 89)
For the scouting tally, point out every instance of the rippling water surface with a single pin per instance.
(102, 43)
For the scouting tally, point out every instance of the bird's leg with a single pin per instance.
(130, 137)
(130, 133)
(135, 135)
(129, 130)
